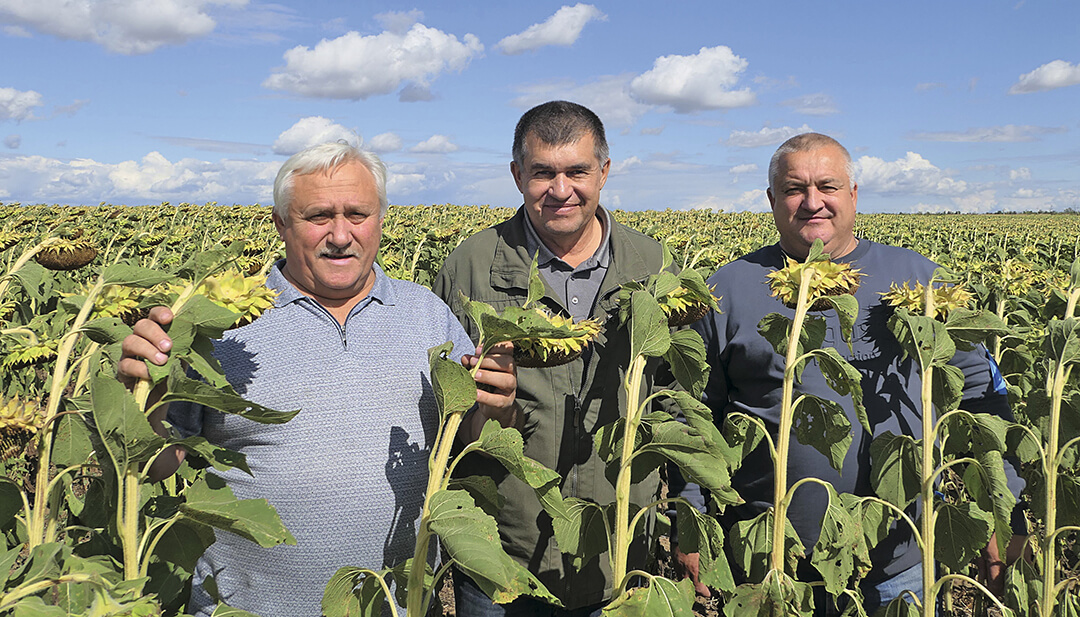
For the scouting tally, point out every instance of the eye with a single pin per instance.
(829, 188)
(318, 218)
(356, 217)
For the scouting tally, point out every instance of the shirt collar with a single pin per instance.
(600, 258)
(382, 291)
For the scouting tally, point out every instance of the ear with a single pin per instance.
(279, 224)
(604, 172)
(855, 195)
(514, 171)
(772, 200)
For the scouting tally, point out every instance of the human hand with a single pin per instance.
(991, 566)
(147, 341)
(689, 564)
(496, 400)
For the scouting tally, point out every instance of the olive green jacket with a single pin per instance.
(563, 406)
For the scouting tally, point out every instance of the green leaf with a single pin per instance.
(10, 503)
(123, 428)
(34, 606)
(823, 425)
(582, 531)
(894, 470)
(221, 458)
(686, 358)
(193, 329)
(204, 264)
(184, 542)
(471, 538)
(72, 444)
(1024, 444)
(660, 598)
(750, 542)
(947, 388)
(106, 330)
(353, 592)
(776, 329)
(841, 545)
(847, 310)
(1062, 343)
(743, 434)
(225, 400)
(649, 333)
(537, 289)
(777, 596)
(702, 534)
(970, 327)
(973, 433)
(922, 338)
(134, 276)
(987, 483)
(899, 607)
(483, 491)
(224, 610)
(1023, 585)
(960, 532)
(211, 502)
(844, 379)
(680, 444)
(454, 387)
(505, 445)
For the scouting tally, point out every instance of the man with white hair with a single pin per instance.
(347, 345)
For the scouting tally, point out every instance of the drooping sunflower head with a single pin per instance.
(548, 351)
(683, 306)
(946, 298)
(28, 354)
(20, 422)
(248, 296)
(63, 254)
(827, 278)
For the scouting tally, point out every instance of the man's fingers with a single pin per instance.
(688, 564)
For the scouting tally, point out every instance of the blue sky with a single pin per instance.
(969, 106)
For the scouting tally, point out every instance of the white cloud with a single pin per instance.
(354, 66)
(743, 169)
(72, 109)
(1007, 133)
(693, 83)
(767, 136)
(436, 144)
(37, 179)
(753, 201)
(819, 104)
(12, 142)
(621, 167)
(1056, 74)
(910, 175)
(654, 130)
(18, 105)
(384, 142)
(310, 131)
(608, 96)
(120, 26)
(563, 29)
(1022, 173)
(399, 22)
(981, 201)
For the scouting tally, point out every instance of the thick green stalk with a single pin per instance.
(436, 481)
(786, 419)
(620, 550)
(40, 528)
(128, 519)
(927, 474)
(1050, 469)
(1000, 311)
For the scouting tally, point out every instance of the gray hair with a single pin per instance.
(558, 123)
(323, 158)
(804, 143)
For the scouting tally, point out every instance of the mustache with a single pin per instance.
(338, 254)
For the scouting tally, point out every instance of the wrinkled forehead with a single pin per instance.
(825, 163)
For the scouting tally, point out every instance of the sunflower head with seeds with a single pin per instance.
(66, 254)
(540, 338)
(946, 298)
(20, 422)
(248, 296)
(684, 297)
(824, 277)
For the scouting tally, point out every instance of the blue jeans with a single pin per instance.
(471, 601)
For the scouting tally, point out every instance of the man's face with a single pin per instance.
(561, 186)
(814, 198)
(331, 233)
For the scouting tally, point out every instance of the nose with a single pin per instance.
(812, 199)
(560, 188)
(340, 232)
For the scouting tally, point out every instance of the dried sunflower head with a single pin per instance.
(683, 306)
(9, 239)
(29, 354)
(827, 278)
(66, 254)
(547, 351)
(946, 298)
(19, 424)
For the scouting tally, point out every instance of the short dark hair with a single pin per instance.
(557, 123)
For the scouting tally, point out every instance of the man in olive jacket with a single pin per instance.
(560, 164)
